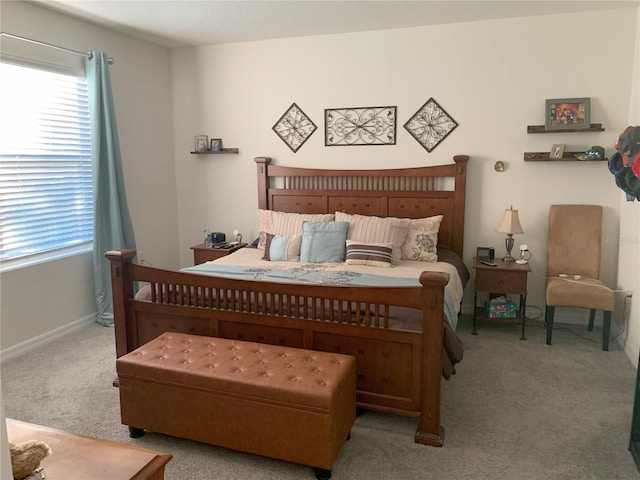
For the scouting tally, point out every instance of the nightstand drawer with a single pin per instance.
(501, 281)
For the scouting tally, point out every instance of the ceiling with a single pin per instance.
(175, 23)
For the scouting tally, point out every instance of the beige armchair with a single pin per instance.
(573, 265)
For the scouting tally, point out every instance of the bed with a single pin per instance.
(401, 333)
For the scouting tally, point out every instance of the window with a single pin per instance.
(45, 162)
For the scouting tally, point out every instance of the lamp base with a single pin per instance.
(508, 243)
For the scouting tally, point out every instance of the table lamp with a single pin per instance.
(510, 225)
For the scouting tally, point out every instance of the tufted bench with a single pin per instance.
(285, 403)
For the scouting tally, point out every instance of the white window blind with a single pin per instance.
(45, 161)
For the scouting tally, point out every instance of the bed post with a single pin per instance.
(263, 181)
(122, 288)
(459, 202)
(429, 431)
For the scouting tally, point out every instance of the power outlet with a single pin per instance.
(140, 254)
(628, 293)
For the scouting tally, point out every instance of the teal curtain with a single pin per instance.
(112, 228)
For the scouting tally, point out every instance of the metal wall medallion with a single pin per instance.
(294, 127)
(430, 125)
(360, 126)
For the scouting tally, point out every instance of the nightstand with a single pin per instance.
(202, 253)
(505, 277)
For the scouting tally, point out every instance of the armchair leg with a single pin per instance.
(548, 319)
(592, 317)
(606, 328)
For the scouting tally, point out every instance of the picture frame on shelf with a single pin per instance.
(557, 151)
(216, 144)
(202, 143)
(567, 113)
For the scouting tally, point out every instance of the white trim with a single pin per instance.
(47, 337)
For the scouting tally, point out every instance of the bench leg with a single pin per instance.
(322, 474)
(135, 432)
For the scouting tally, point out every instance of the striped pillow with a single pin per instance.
(284, 223)
(372, 254)
(369, 229)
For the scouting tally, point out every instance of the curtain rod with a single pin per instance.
(68, 50)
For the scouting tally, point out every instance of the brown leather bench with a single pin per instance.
(286, 403)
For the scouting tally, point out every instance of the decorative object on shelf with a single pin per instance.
(202, 143)
(238, 235)
(510, 225)
(525, 255)
(557, 151)
(430, 125)
(360, 126)
(625, 163)
(567, 113)
(216, 144)
(594, 153)
(294, 127)
(499, 166)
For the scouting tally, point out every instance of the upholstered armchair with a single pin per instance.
(573, 265)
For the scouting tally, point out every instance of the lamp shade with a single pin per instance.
(510, 222)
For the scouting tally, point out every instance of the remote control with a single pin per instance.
(491, 264)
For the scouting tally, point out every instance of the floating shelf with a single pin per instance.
(217, 152)
(566, 157)
(595, 127)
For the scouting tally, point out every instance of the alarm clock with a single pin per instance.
(485, 253)
(218, 237)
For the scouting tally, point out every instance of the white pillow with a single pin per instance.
(369, 229)
(422, 239)
(284, 223)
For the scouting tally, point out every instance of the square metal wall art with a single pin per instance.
(430, 125)
(360, 126)
(294, 127)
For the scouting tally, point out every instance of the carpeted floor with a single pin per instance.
(515, 410)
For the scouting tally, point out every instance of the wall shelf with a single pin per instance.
(595, 127)
(566, 157)
(217, 152)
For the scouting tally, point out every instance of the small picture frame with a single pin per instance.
(567, 113)
(557, 151)
(202, 143)
(216, 144)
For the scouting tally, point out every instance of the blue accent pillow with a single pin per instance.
(323, 242)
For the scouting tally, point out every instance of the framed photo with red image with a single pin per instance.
(567, 113)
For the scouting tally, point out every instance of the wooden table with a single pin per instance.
(502, 277)
(77, 456)
(203, 253)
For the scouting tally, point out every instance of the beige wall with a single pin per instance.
(42, 298)
(492, 77)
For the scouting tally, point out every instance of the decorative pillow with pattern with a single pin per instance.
(284, 223)
(369, 229)
(372, 254)
(422, 239)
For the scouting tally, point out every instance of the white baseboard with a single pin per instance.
(43, 339)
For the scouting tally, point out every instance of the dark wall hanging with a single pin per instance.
(430, 125)
(294, 127)
(360, 126)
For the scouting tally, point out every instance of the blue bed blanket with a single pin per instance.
(318, 274)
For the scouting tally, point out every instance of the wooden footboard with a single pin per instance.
(398, 371)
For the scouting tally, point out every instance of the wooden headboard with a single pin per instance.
(402, 192)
